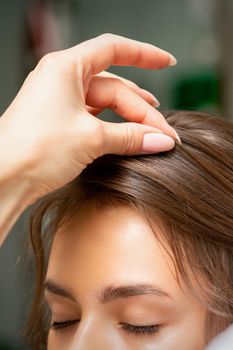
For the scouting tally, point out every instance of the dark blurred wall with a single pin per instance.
(11, 31)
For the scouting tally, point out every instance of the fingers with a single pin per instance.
(150, 98)
(146, 95)
(114, 94)
(99, 53)
(133, 138)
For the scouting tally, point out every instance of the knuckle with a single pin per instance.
(107, 36)
(130, 139)
(29, 76)
(116, 82)
(49, 60)
(119, 89)
(115, 102)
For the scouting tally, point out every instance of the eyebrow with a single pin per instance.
(109, 293)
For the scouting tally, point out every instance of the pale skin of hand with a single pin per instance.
(49, 133)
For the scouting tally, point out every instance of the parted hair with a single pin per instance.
(188, 189)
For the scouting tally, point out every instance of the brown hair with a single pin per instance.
(189, 189)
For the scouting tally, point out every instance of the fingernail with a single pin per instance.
(154, 102)
(154, 143)
(173, 60)
(177, 137)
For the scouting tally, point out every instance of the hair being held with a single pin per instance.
(188, 190)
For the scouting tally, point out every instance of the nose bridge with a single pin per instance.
(93, 334)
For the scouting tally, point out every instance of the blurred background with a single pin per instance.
(199, 33)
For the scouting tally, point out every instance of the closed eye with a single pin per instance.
(62, 325)
(140, 329)
(133, 329)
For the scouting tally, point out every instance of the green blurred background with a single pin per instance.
(198, 32)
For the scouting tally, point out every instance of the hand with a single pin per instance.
(50, 126)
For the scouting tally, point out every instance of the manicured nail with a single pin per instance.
(154, 143)
(177, 136)
(154, 102)
(173, 60)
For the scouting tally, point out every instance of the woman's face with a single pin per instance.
(111, 285)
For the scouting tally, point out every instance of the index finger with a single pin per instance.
(109, 49)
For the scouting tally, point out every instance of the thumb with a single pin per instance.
(132, 138)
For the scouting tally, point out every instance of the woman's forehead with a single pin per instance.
(114, 245)
(119, 232)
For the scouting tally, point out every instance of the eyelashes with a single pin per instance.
(151, 329)
(133, 329)
(61, 325)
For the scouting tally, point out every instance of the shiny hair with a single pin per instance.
(189, 190)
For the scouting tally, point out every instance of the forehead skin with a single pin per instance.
(116, 246)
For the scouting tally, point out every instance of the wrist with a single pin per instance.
(15, 196)
(16, 190)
